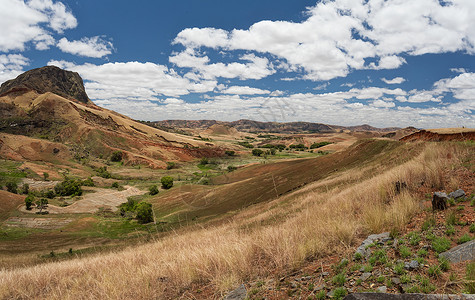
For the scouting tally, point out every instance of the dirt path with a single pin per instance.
(91, 202)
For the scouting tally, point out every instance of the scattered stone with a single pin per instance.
(306, 278)
(382, 289)
(370, 240)
(395, 280)
(294, 285)
(460, 253)
(325, 273)
(365, 276)
(457, 194)
(412, 265)
(331, 293)
(439, 201)
(238, 294)
(374, 296)
(319, 287)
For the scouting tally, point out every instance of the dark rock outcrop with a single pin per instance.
(52, 79)
(238, 294)
(457, 194)
(439, 201)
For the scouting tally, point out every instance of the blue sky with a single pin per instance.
(344, 62)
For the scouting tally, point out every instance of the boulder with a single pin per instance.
(412, 265)
(439, 201)
(457, 194)
(238, 294)
(369, 240)
(463, 252)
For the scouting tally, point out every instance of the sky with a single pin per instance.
(386, 63)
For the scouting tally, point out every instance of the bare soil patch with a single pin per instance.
(39, 223)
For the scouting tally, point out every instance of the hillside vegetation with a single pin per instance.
(346, 196)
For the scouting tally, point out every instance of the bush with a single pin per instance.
(318, 145)
(404, 251)
(29, 201)
(87, 182)
(102, 172)
(204, 161)
(229, 153)
(464, 238)
(25, 189)
(115, 185)
(144, 212)
(153, 190)
(339, 293)
(257, 152)
(45, 176)
(246, 145)
(434, 271)
(128, 206)
(440, 244)
(170, 165)
(68, 187)
(232, 168)
(12, 187)
(48, 194)
(339, 279)
(116, 156)
(167, 182)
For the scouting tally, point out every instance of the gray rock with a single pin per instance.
(319, 287)
(365, 276)
(325, 273)
(368, 241)
(375, 296)
(306, 278)
(412, 265)
(238, 294)
(382, 289)
(439, 201)
(457, 194)
(460, 253)
(396, 280)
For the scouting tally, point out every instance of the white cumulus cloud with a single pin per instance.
(90, 47)
(244, 90)
(396, 80)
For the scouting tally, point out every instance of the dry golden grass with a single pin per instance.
(307, 224)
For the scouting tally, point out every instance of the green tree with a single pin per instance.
(41, 204)
(25, 189)
(257, 152)
(45, 176)
(170, 165)
(29, 201)
(68, 187)
(167, 182)
(117, 156)
(12, 187)
(144, 212)
(229, 153)
(153, 190)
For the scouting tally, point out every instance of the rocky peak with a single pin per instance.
(48, 79)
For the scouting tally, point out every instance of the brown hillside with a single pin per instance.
(462, 134)
(91, 130)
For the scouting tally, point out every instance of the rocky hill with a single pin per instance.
(51, 105)
(269, 127)
(52, 79)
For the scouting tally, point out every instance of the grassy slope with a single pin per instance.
(267, 238)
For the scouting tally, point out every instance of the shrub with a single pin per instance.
(116, 156)
(464, 238)
(102, 172)
(171, 165)
(45, 176)
(321, 295)
(414, 238)
(318, 145)
(167, 182)
(128, 206)
(229, 153)
(358, 256)
(144, 212)
(434, 271)
(440, 244)
(25, 189)
(399, 269)
(451, 218)
(204, 161)
(422, 252)
(257, 152)
(87, 182)
(29, 201)
(470, 276)
(429, 222)
(68, 187)
(12, 187)
(404, 251)
(115, 185)
(472, 228)
(232, 168)
(444, 264)
(339, 279)
(246, 145)
(153, 190)
(339, 293)
(450, 230)
(48, 194)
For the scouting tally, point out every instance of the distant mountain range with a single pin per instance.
(268, 127)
